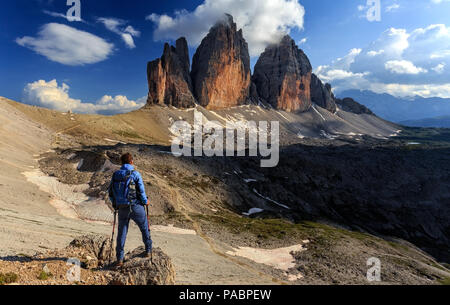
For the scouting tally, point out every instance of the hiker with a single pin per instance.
(127, 194)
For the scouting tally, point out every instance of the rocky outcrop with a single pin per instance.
(169, 79)
(96, 253)
(137, 270)
(221, 67)
(97, 248)
(322, 95)
(283, 77)
(221, 76)
(350, 105)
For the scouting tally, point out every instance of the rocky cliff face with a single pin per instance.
(169, 80)
(283, 77)
(221, 76)
(321, 94)
(221, 67)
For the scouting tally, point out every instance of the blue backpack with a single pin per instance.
(122, 190)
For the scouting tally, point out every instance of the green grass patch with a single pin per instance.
(127, 134)
(445, 281)
(8, 278)
(269, 229)
(43, 276)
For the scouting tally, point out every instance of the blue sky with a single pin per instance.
(99, 64)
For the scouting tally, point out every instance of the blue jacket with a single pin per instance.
(139, 182)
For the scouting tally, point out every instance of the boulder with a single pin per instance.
(97, 247)
(221, 72)
(95, 253)
(138, 270)
(283, 76)
(169, 79)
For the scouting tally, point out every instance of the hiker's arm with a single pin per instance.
(141, 189)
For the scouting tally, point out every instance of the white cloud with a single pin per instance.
(440, 54)
(51, 95)
(399, 62)
(263, 21)
(375, 53)
(60, 15)
(117, 26)
(340, 75)
(67, 45)
(408, 90)
(393, 7)
(302, 41)
(439, 68)
(403, 67)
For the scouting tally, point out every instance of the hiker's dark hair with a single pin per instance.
(126, 158)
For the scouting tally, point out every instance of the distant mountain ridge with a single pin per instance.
(438, 122)
(401, 110)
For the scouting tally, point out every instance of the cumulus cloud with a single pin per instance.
(399, 62)
(403, 67)
(53, 96)
(118, 26)
(263, 21)
(67, 45)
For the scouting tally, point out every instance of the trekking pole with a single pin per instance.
(148, 217)
(112, 237)
(148, 223)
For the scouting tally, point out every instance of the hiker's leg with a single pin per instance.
(124, 221)
(140, 218)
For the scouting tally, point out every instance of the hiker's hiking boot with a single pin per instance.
(148, 255)
(118, 265)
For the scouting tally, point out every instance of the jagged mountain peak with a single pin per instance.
(221, 75)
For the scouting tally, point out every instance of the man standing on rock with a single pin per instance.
(127, 193)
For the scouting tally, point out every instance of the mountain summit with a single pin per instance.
(221, 75)
(221, 67)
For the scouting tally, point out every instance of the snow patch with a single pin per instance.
(65, 197)
(281, 259)
(80, 164)
(271, 200)
(114, 141)
(326, 135)
(253, 211)
(317, 111)
(283, 116)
